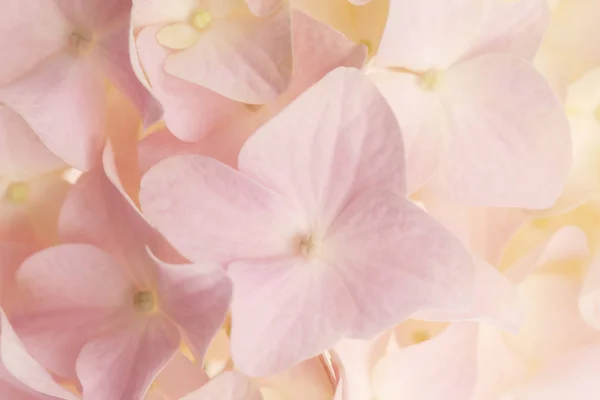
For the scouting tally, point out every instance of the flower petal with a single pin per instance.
(493, 142)
(429, 34)
(196, 297)
(210, 211)
(63, 100)
(394, 259)
(122, 365)
(68, 295)
(442, 368)
(247, 59)
(342, 145)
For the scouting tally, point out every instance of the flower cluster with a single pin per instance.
(300, 200)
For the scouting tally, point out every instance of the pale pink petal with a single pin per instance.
(359, 2)
(429, 34)
(22, 154)
(190, 111)
(12, 254)
(571, 376)
(25, 369)
(513, 27)
(196, 202)
(63, 100)
(496, 301)
(68, 295)
(111, 54)
(96, 15)
(318, 49)
(420, 265)
(227, 386)
(422, 120)
(122, 365)
(285, 311)
(505, 125)
(96, 213)
(247, 59)
(342, 145)
(196, 297)
(33, 31)
(442, 368)
(179, 377)
(263, 7)
(358, 358)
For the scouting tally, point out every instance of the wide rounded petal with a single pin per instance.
(32, 380)
(196, 297)
(67, 296)
(512, 27)
(285, 311)
(190, 111)
(394, 259)
(247, 58)
(422, 120)
(442, 368)
(342, 145)
(63, 100)
(506, 125)
(22, 155)
(33, 32)
(211, 212)
(179, 377)
(230, 385)
(429, 34)
(263, 7)
(123, 364)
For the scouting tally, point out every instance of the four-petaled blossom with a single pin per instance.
(315, 229)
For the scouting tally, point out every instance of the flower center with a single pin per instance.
(430, 80)
(80, 42)
(144, 301)
(306, 245)
(201, 19)
(181, 35)
(18, 193)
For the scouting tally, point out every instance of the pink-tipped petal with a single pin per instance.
(196, 297)
(122, 365)
(63, 100)
(442, 368)
(513, 27)
(210, 211)
(69, 295)
(231, 385)
(342, 145)
(190, 111)
(247, 58)
(429, 34)
(506, 125)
